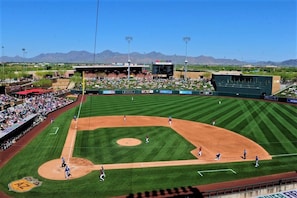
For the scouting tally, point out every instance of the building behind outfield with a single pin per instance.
(118, 68)
(245, 85)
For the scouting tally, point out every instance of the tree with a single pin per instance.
(77, 79)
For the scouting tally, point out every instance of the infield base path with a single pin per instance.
(212, 140)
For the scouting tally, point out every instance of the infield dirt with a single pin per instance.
(212, 139)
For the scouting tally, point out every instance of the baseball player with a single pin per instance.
(125, 118)
(102, 174)
(244, 154)
(170, 120)
(218, 156)
(63, 162)
(147, 140)
(200, 151)
(257, 161)
(213, 122)
(67, 172)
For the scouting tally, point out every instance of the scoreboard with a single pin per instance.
(162, 69)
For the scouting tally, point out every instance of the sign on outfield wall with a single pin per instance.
(185, 92)
(286, 194)
(147, 91)
(108, 92)
(165, 91)
(290, 100)
(128, 92)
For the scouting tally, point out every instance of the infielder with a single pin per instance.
(244, 154)
(147, 140)
(200, 151)
(213, 122)
(257, 161)
(170, 120)
(218, 156)
(102, 174)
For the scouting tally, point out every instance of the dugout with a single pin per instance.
(246, 85)
(17, 128)
(162, 69)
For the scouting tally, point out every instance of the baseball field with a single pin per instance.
(101, 136)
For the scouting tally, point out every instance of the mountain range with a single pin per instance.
(108, 57)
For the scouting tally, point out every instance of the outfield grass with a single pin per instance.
(270, 124)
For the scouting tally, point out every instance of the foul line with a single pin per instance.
(74, 136)
(217, 170)
(284, 155)
(57, 129)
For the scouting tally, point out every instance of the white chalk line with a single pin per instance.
(216, 170)
(56, 131)
(74, 136)
(284, 155)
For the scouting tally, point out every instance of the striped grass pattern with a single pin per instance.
(270, 124)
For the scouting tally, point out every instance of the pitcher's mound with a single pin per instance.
(129, 142)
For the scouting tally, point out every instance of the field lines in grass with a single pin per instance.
(266, 129)
(285, 115)
(231, 117)
(285, 121)
(281, 133)
(251, 114)
(217, 112)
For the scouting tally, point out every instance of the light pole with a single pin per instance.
(186, 40)
(2, 62)
(24, 51)
(129, 39)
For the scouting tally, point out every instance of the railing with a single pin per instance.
(250, 187)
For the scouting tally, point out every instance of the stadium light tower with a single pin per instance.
(2, 62)
(24, 51)
(186, 40)
(129, 39)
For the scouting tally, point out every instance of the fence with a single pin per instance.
(250, 189)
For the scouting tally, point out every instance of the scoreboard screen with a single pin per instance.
(162, 69)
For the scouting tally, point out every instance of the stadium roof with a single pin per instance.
(109, 66)
(33, 91)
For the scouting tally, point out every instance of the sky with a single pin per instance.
(236, 29)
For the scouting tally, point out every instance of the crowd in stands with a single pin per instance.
(290, 92)
(7, 100)
(41, 105)
(145, 83)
